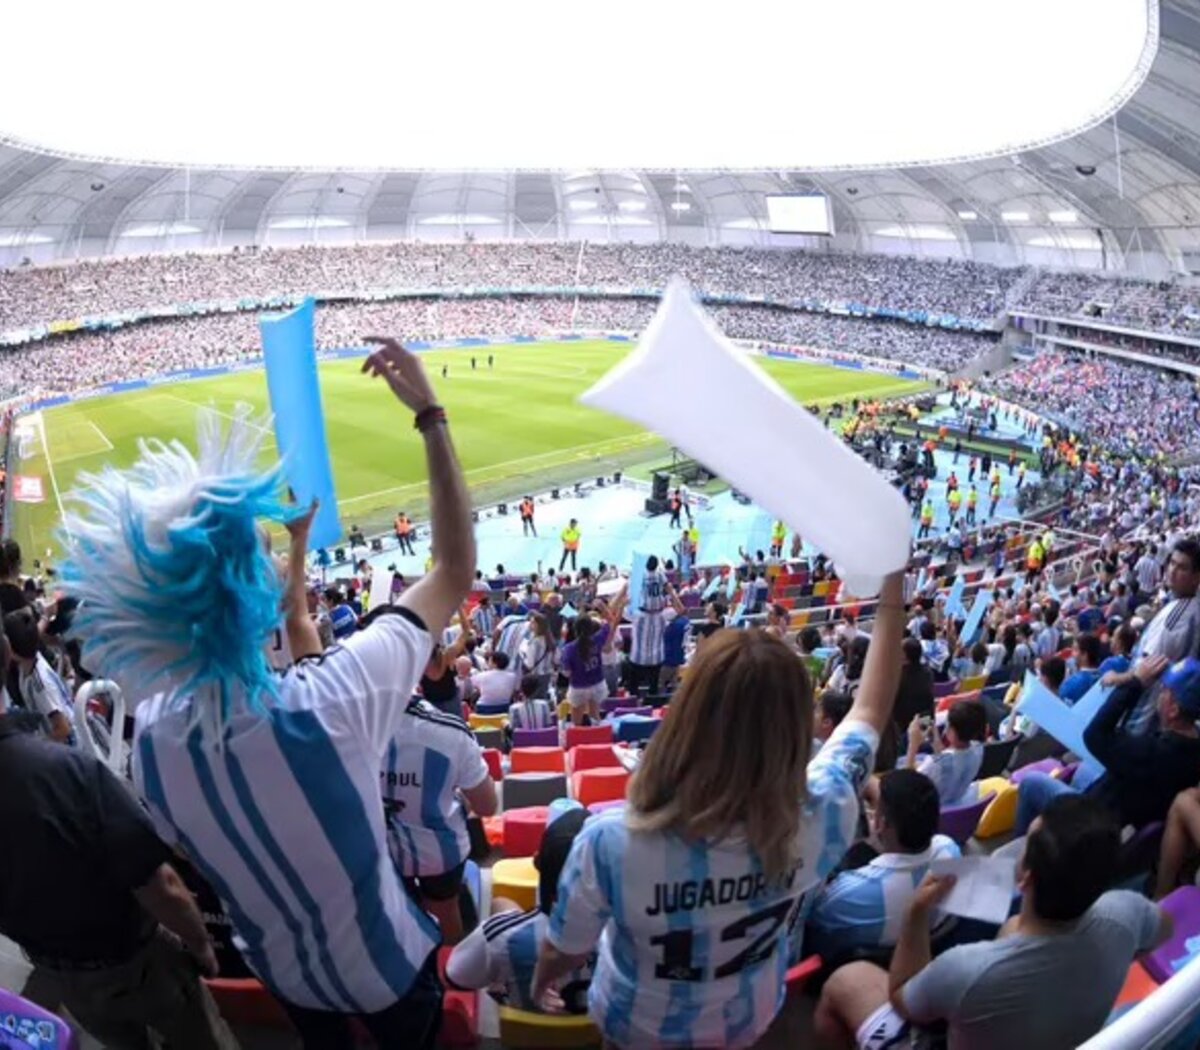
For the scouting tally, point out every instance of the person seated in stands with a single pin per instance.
(500, 955)
(433, 769)
(863, 908)
(1049, 979)
(972, 664)
(1180, 842)
(808, 641)
(934, 651)
(1122, 643)
(39, 687)
(828, 711)
(495, 686)
(528, 712)
(914, 697)
(1088, 653)
(1143, 772)
(952, 768)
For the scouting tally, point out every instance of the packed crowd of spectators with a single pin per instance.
(1139, 344)
(1161, 306)
(753, 810)
(1132, 408)
(38, 295)
(85, 359)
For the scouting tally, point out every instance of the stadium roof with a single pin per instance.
(1125, 193)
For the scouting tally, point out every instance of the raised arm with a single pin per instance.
(441, 590)
(303, 639)
(877, 691)
(459, 645)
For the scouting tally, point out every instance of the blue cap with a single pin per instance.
(343, 620)
(1183, 679)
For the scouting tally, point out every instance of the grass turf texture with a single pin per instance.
(517, 427)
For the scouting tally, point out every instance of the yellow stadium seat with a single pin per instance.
(564, 710)
(516, 879)
(522, 1029)
(820, 588)
(1001, 815)
(488, 721)
(969, 685)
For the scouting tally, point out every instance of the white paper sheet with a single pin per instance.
(761, 442)
(984, 889)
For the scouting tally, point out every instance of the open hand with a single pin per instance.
(933, 890)
(403, 371)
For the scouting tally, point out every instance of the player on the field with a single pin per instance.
(724, 830)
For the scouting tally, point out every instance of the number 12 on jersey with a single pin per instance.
(677, 945)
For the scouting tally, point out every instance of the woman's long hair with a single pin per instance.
(585, 634)
(730, 760)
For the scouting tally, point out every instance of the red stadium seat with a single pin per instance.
(576, 735)
(523, 830)
(592, 756)
(536, 760)
(599, 785)
(493, 758)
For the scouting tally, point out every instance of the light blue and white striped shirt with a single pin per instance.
(431, 756)
(514, 629)
(283, 818)
(864, 908)
(648, 639)
(501, 956)
(692, 936)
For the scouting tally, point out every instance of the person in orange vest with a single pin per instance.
(570, 542)
(676, 509)
(527, 525)
(952, 482)
(1012, 461)
(404, 531)
(974, 465)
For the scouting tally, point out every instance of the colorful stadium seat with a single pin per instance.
(576, 735)
(960, 822)
(28, 1025)
(592, 756)
(547, 737)
(495, 763)
(523, 830)
(599, 785)
(1001, 816)
(536, 760)
(515, 879)
(460, 1010)
(532, 789)
(523, 1029)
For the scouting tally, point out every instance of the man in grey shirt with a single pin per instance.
(1026, 988)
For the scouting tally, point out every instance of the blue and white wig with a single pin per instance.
(177, 593)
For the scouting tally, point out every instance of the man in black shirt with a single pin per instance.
(84, 884)
(1143, 773)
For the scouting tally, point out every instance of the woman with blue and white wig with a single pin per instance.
(270, 782)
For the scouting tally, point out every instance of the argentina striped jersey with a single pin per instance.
(692, 936)
(283, 818)
(501, 956)
(431, 756)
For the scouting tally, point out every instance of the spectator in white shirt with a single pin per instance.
(39, 686)
(495, 686)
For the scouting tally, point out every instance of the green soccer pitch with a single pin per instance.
(518, 427)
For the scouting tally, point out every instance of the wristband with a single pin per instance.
(429, 417)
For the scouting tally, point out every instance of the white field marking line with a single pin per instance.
(62, 517)
(631, 442)
(88, 452)
(103, 436)
(268, 443)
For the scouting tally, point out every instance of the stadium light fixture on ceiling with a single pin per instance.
(1015, 216)
(306, 97)
(582, 205)
(968, 216)
(632, 205)
(1065, 216)
(680, 206)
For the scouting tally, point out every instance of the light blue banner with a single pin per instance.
(983, 602)
(954, 603)
(1065, 723)
(289, 350)
(637, 577)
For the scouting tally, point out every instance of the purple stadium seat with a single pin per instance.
(1046, 765)
(645, 712)
(960, 822)
(1165, 961)
(547, 737)
(942, 689)
(27, 1025)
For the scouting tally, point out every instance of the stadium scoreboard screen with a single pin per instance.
(800, 213)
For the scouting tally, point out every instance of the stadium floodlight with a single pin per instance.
(968, 216)
(582, 205)
(202, 114)
(1064, 216)
(681, 206)
(632, 205)
(1015, 216)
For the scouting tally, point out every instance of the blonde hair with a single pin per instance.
(730, 758)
